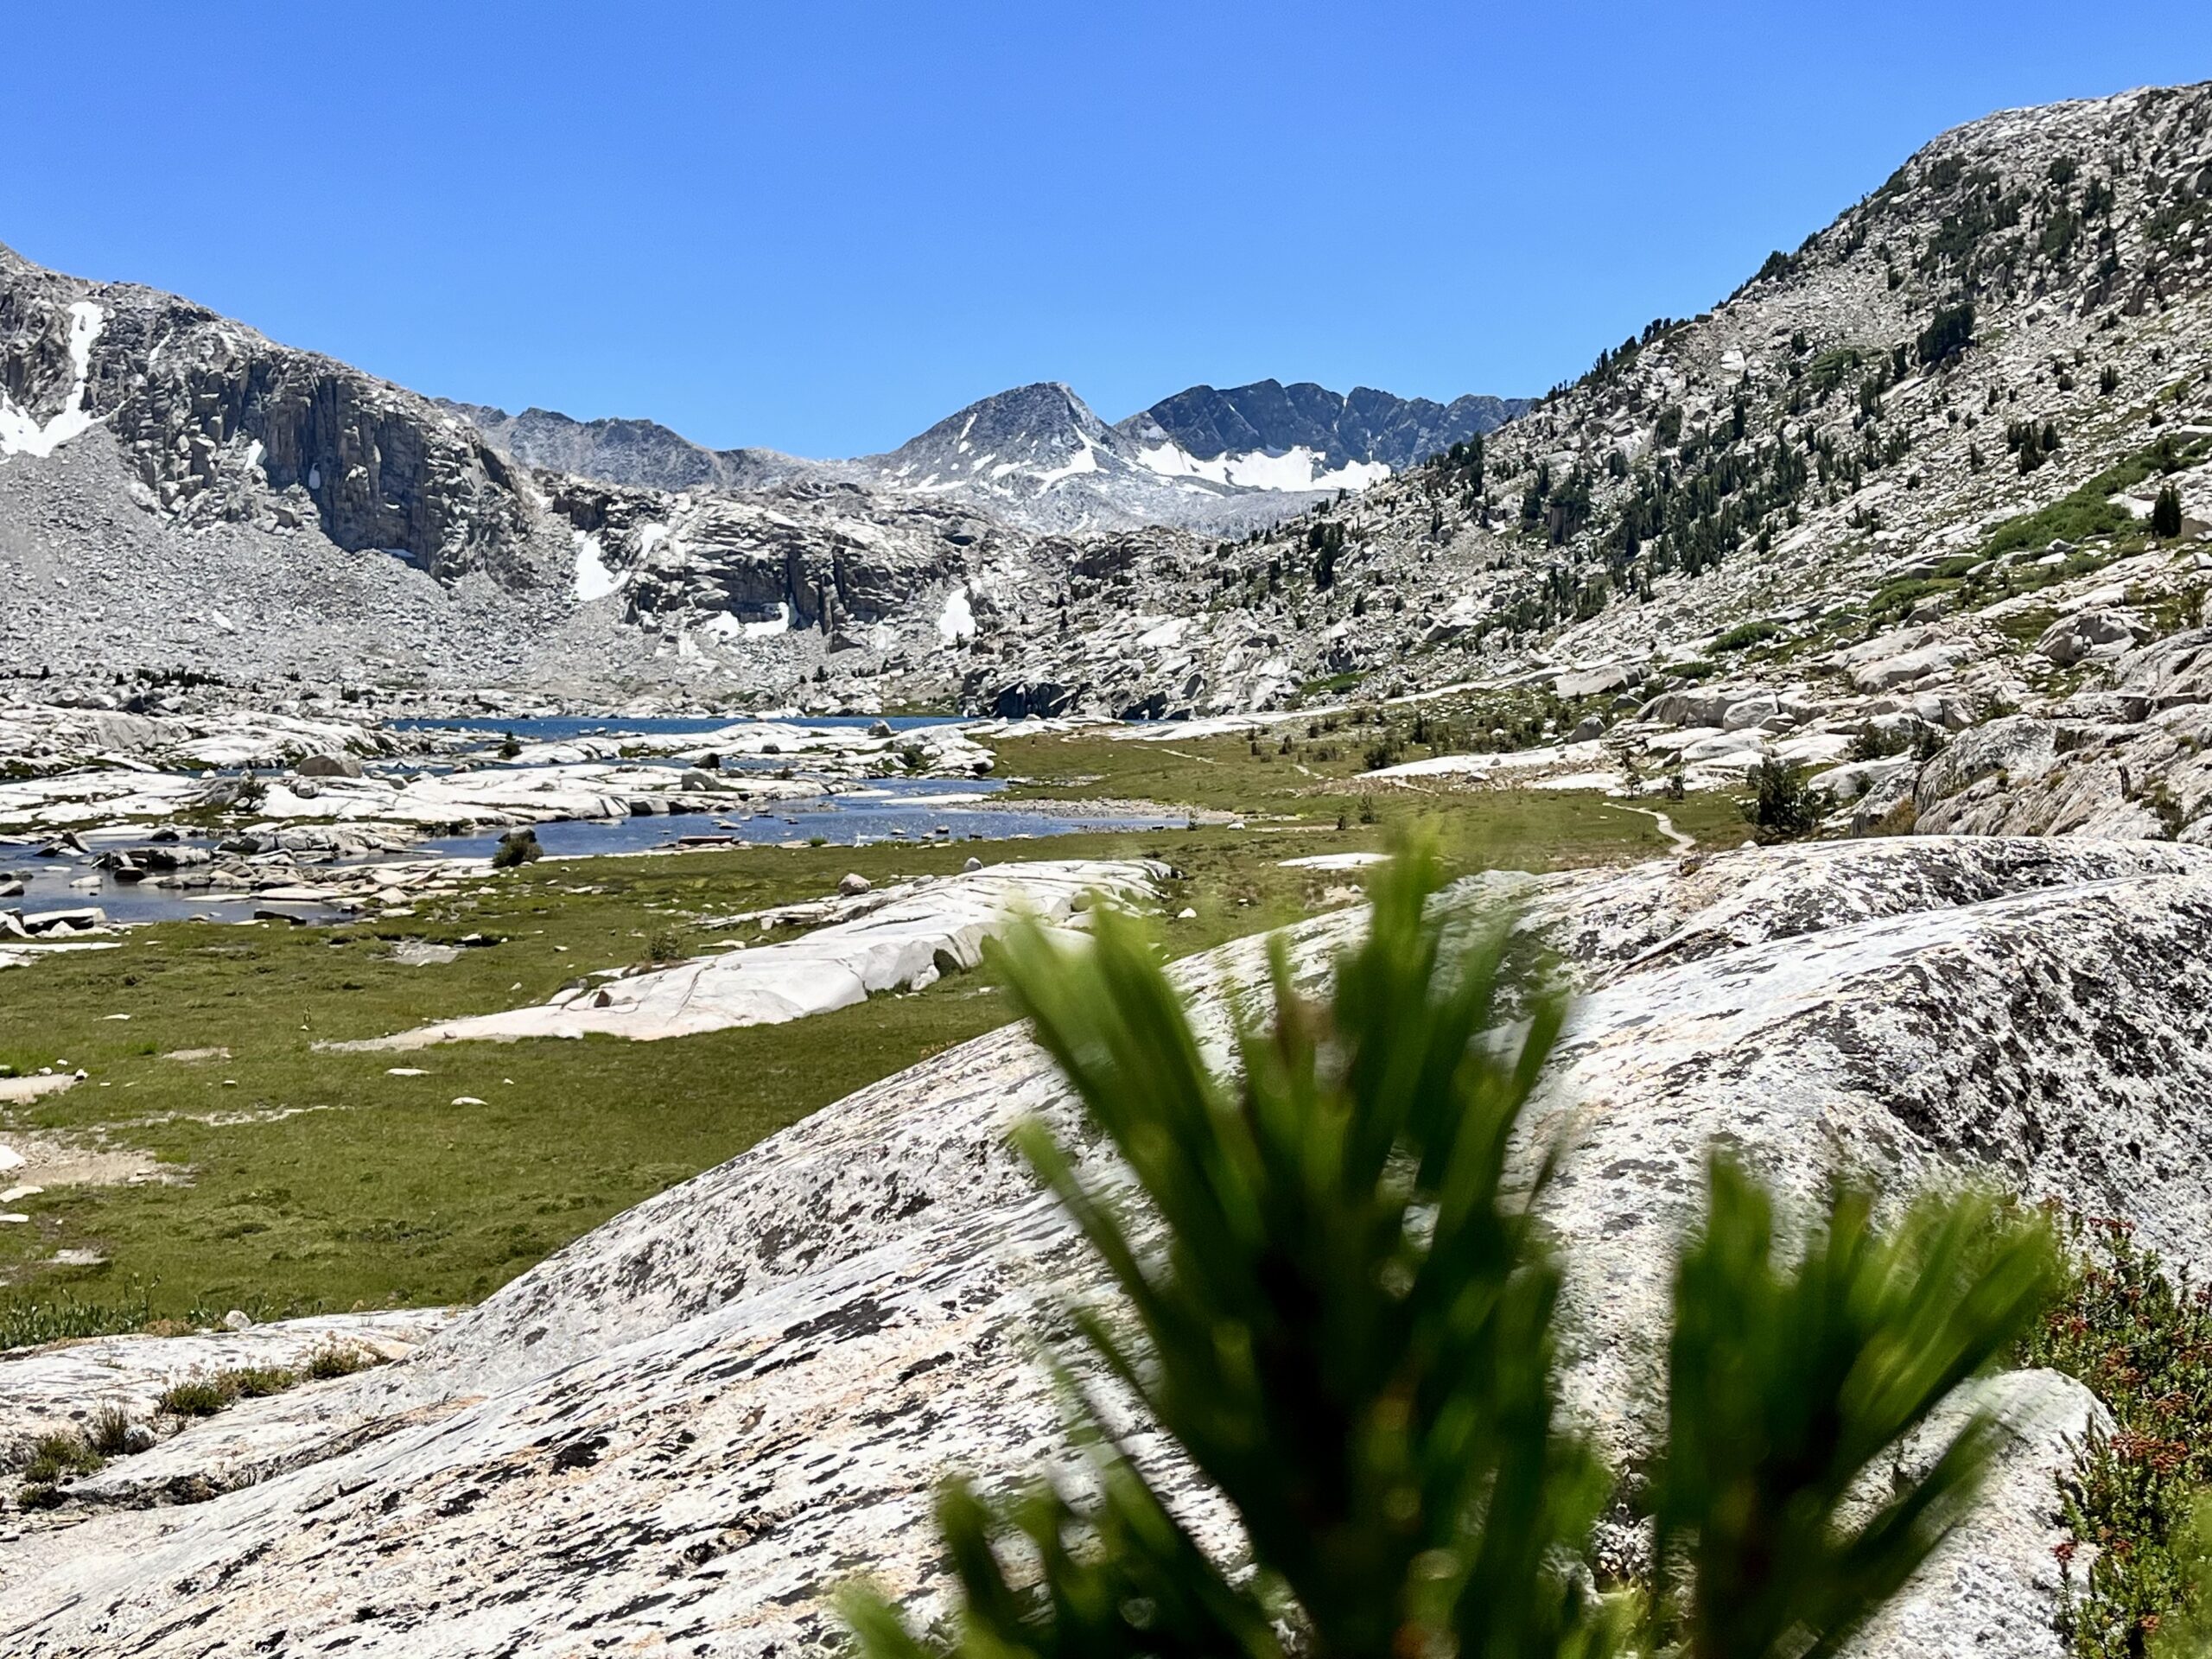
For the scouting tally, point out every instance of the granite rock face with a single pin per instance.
(1339, 429)
(218, 422)
(689, 1426)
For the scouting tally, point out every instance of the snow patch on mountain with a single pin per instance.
(595, 580)
(1297, 468)
(21, 433)
(958, 620)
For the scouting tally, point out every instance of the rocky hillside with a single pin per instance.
(643, 455)
(217, 423)
(2004, 346)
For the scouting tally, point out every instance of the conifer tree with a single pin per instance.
(1341, 1312)
(2165, 513)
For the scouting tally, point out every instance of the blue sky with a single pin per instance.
(822, 227)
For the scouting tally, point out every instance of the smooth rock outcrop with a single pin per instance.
(904, 943)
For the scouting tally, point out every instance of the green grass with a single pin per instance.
(1744, 635)
(2087, 511)
(315, 1181)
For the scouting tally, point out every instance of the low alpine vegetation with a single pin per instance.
(205, 1395)
(2141, 1341)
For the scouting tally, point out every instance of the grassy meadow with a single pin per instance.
(293, 1178)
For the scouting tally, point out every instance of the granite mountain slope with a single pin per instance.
(217, 423)
(1844, 423)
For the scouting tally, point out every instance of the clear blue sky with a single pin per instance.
(820, 226)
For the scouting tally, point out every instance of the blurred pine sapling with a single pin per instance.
(1342, 1310)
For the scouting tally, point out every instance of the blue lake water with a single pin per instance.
(560, 727)
(912, 809)
(890, 810)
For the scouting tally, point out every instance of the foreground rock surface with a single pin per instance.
(904, 943)
(686, 1429)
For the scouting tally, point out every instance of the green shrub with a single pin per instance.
(196, 1396)
(2141, 1342)
(1348, 1329)
(1744, 635)
(2165, 513)
(517, 848)
(1782, 807)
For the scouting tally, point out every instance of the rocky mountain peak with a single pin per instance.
(1363, 427)
(1043, 425)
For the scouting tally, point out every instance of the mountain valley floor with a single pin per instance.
(251, 1166)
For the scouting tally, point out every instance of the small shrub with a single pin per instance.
(2141, 1341)
(196, 1396)
(510, 746)
(1782, 807)
(110, 1432)
(340, 1360)
(517, 848)
(1744, 635)
(667, 945)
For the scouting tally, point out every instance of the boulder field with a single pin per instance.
(684, 1431)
